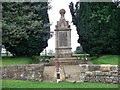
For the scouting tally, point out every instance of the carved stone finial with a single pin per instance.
(62, 12)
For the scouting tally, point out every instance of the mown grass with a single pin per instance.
(33, 84)
(16, 60)
(106, 59)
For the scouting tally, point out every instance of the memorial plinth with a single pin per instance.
(63, 52)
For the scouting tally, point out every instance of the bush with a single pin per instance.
(38, 59)
(82, 56)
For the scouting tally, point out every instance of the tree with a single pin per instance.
(26, 28)
(79, 50)
(97, 26)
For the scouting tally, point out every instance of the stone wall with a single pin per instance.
(23, 72)
(99, 73)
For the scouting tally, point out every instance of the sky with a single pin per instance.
(54, 16)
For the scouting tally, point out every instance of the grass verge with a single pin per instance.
(33, 84)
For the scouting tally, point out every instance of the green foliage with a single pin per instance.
(48, 56)
(79, 50)
(25, 27)
(31, 84)
(82, 56)
(38, 59)
(97, 26)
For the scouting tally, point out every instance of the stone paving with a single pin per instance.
(48, 73)
(71, 71)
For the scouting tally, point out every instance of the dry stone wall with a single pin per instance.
(99, 73)
(23, 72)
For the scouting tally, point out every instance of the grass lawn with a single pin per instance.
(33, 84)
(107, 59)
(15, 60)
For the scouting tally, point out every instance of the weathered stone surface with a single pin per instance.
(83, 67)
(114, 72)
(63, 43)
(23, 72)
(105, 68)
(99, 73)
(94, 67)
(114, 68)
(63, 38)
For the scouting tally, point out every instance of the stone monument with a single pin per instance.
(63, 52)
(63, 37)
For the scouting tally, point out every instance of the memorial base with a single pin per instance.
(68, 61)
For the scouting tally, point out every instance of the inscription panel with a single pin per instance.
(63, 39)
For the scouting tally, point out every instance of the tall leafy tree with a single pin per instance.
(97, 26)
(25, 27)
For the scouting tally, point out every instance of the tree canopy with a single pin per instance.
(25, 27)
(98, 25)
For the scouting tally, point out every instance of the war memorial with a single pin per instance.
(64, 67)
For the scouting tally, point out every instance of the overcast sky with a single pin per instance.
(54, 16)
